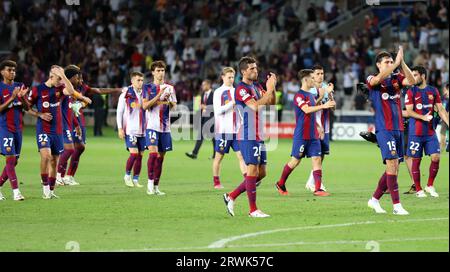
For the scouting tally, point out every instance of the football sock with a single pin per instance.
(434, 168)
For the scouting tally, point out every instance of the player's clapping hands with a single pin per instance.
(271, 82)
(329, 104)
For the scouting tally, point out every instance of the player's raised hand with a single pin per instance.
(330, 88)
(87, 100)
(427, 117)
(329, 104)
(46, 116)
(399, 57)
(58, 70)
(23, 91)
(121, 134)
(271, 82)
(15, 92)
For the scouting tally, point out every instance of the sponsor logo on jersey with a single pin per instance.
(386, 96)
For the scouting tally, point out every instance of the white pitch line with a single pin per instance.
(222, 242)
(298, 243)
(338, 242)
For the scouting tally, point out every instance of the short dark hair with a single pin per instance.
(71, 70)
(381, 55)
(7, 63)
(317, 67)
(244, 62)
(134, 74)
(422, 71)
(157, 64)
(304, 73)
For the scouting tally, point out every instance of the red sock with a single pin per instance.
(130, 163)
(250, 187)
(238, 191)
(416, 173)
(52, 182)
(11, 171)
(382, 186)
(75, 159)
(317, 174)
(152, 157)
(137, 165)
(3, 177)
(158, 169)
(62, 162)
(393, 188)
(216, 180)
(44, 178)
(284, 176)
(434, 168)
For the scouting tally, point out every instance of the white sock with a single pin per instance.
(398, 206)
(16, 192)
(150, 184)
(374, 199)
(58, 175)
(46, 189)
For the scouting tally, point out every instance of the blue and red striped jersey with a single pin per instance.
(11, 117)
(305, 127)
(48, 99)
(67, 112)
(250, 127)
(423, 101)
(385, 98)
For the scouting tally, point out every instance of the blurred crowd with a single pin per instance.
(109, 39)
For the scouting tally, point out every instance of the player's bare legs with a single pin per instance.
(62, 163)
(242, 165)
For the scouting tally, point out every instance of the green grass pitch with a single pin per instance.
(103, 215)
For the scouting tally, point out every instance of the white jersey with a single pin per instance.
(224, 113)
(322, 116)
(130, 115)
(158, 116)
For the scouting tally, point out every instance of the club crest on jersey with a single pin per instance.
(45, 104)
(430, 97)
(413, 152)
(152, 141)
(243, 93)
(393, 152)
(43, 143)
(8, 149)
(133, 105)
(57, 94)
